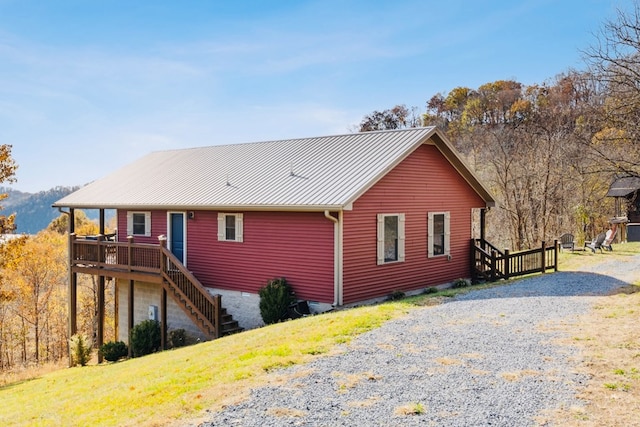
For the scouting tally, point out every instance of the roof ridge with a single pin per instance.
(271, 141)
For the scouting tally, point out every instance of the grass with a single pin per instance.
(177, 386)
(609, 342)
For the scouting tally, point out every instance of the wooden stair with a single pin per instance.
(204, 310)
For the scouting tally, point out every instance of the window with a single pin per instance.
(438, 240)
(230, 227)
(139, 224)
(390, 238)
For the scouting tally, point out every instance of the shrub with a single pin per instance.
(275, 299)
(430, 290)
(80, 350)
(180, 338)
(145, 338)
(114, 350)
(396, 295)
(460, 283)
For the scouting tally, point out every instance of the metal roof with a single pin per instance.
(624, 186)
(319, 173)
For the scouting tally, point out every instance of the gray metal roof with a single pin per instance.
(328, 172)
(624, 186)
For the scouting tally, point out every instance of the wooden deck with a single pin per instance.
(153, 264)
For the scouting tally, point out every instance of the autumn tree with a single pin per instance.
(398, 117)
(7, 174)
(38, 278)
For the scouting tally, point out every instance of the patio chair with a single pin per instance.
(567, 242)
(611, 234)
(596, 243)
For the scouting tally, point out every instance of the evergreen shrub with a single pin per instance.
(114, 350)
(145, 338)
(80, 349)
(275, 299)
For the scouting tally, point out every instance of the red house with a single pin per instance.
(345, 219)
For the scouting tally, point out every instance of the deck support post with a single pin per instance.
(163, 297)
(130, 316)
(163, 319)
(101, 286)
(73, 282)
(544, 257)
(555, 255)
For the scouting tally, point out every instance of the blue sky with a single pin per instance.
(88, 86)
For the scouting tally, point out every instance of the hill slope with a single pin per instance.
(33, 210)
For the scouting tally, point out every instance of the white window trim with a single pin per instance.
(447, 234)
(222, 227)
(401, 238)
(147, 223)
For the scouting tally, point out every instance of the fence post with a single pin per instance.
(474, 273)
(555, 255)
(163, 259)
(101, 254)
(493, 266)
(129, 251)
(544, 257)
(217, 300)
(507, 264)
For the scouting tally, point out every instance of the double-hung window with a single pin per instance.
(230, 227)
(438, 241)
(139, 224)
(390, 238)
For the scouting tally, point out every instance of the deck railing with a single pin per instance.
(489, 263)
(127, 258)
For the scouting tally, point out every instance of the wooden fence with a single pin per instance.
(490, 263)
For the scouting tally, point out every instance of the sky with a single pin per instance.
(89, 86)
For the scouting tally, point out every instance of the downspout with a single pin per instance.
(337, 257)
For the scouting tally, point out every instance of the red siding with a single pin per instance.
(298, 246)
(158, 227)
(424, 182)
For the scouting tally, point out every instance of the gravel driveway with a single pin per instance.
(486, 358)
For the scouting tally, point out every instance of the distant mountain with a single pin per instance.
(33, 210)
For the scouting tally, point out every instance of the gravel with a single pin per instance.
(486, 358)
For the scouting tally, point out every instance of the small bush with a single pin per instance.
(460, 283)
(114, 350)
(396, 295)
(275, 299)
(80, 349)
(145, 338)
(431, 290)
(180, 338)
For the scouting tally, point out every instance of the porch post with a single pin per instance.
(130, 316)
(163, 319)
(73, 281)
(163, 296)
(483, 220)
(101, 287)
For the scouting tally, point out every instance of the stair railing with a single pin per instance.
(187, 287)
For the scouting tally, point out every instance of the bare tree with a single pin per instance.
(614, 61)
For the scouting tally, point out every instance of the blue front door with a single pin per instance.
(176, 221)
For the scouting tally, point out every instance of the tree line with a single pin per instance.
(547, 151)
(34, 296)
